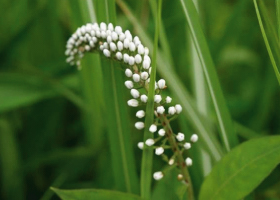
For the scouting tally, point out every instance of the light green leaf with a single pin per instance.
(94, 194)
(242, 169)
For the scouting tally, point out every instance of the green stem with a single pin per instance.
(181, 162)
(278, 17)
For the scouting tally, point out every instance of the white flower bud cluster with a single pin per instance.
(119, 45)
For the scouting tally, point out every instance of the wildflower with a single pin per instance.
(157, 98)
(153, 128)
(150, 142)
(180, 137)
(140, 145)
(161, 84)
(187, 145)
(178, 108)
(168, 99)
(171, 161)
(134, 93)
(139, 125)
(144, 98)
(194, 138)
(161, 132)
(136, 78)
(171, 110)
(128, 84)
(133, 102)
(140, 114)
(159, 151)
(160, 110)
(144, 76)
(188, 161)
(158, 175)
(128, 72)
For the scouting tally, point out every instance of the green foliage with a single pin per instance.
(242, 169)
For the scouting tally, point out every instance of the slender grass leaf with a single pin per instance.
(227, 132)
(242, 169)
(93, 194)
(269, 49)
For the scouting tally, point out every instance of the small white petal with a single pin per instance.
(128, 84)
(133, 103)
(157, 98)
(106, 52)
(160, 109)
(134, 93)
(144, 76)
(178, 108)
(161, 132)
(159, 151)
(114, 36)
(168, 99)
(153, 128)
(126, 43)
(150, 142)
(119, 55)
(113, 46)
(132, 46)
(126, 58)
(171, 110)
(136, 78)
(120, 45)
(180, 137)
(128, 72)
(131, 60)
(194, 138)
(140, 114)
(161, 84)
(140, 145)
(188, 161)
(158, 175)
(187, 145)
(138, 59)
(144, 98)
(146, 64)
(139, 125)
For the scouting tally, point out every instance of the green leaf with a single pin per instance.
(227, 132)
(242, 169)
(94, 194)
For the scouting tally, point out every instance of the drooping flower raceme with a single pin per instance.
(119, 45)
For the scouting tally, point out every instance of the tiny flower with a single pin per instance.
(119, 55)
(160, 109)
(126, 58)
(126, 43)
(141, 49)
(140, 145)
(120, 45)
(171, 110)
(144, 98)
(146, 64)
(139, 125)
(168, 99)
(114, 36)
(144, 76)
(150, 142)
(122, 37)
(157, 98)
(158, 175)
(178, 108)
(133, 102)
(106, 52)
(103, 26)
(110, 27)
(134, 93)
(140, 114)
(159, 151)
(161, 132)
(188, 161)
(180, 137)
(180, 177)
(131, 60)
(171, 161)
(118, 30)
(136, 78)
(187, 145)
(128, 72)
(113, 46)
(153, 128)
(138, 59)
(194, 138)
(146, 57)
(128, 84)
(132, 46)
(161, 84)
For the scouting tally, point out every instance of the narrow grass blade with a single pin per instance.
(11, 178)
(147, 157)
(271, 56)
(178, 89)
(117, 118)
(227, 132)
(278, 17)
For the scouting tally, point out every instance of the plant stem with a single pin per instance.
(181, 163)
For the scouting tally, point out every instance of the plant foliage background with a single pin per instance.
(53, 118)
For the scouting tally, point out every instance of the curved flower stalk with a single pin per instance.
(121, 46)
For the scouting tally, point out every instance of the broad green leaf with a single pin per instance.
(93, 194)
(242, 169)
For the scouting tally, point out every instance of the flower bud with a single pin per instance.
(187, 145)
(134, 93)
(180, 137)
(150, 142)
(160, 109)
(159, 151)
(136, 78)
(161, 84)
(139, 125)
(158, 175)
(153, 128)
(188, 161)
(140, 145)
(133, 103)
(194, 138)
(161, 132)
(157, 98)
(128, 84)
(140, 114)
(144, 98)
(171, 110)
(178, 108)
(168, 99)
(128, 72)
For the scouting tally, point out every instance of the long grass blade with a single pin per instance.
(227, 132)
(146, 167)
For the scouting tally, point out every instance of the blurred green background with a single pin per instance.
(53, 129)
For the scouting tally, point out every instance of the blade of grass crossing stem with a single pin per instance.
(11, 179)
(123, 161)
(272, 59)
(146, 167)
(277, 2)
(176, 86)
(227, 132)
(91, 79)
